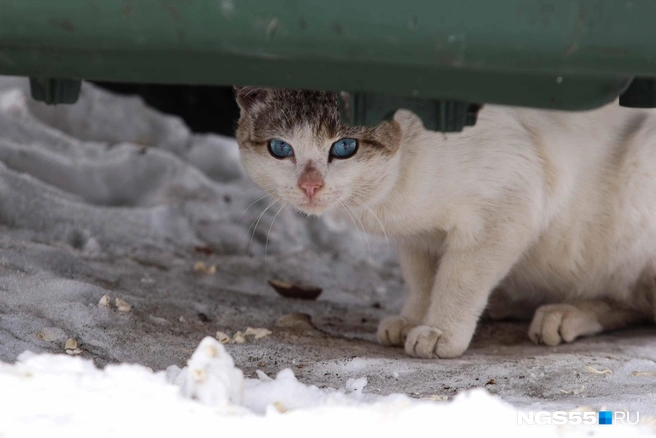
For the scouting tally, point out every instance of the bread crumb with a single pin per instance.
(104, 301)
(574, 392)
(643, 373)
(436, 397)
(596, 371)
(71, 344)
(258, 333)
(222, 337)
(201, 267)
(122, 305)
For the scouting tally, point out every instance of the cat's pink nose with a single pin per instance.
(311, 182)
(311, 188)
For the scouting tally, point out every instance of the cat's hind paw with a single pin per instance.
(394, 330)
(430, 342)
(555, 323)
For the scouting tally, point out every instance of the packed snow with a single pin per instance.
(59, 395)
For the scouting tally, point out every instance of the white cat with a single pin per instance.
(554, 211)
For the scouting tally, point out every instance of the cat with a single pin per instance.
(551, 214)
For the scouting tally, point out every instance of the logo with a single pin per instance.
(605, 417)
(556, 418)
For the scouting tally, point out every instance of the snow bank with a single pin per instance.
(64, 396)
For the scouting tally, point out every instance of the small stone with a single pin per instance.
(104, 301)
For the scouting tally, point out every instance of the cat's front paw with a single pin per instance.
(430, 342)
(394, 330)
(555, 323)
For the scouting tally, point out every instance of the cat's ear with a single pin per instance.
(389, 134)
(247, 97)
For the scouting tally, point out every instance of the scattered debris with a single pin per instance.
(122, 305)
(491, 382)
(71, 344)
(204, 250)
(295, 320)
(71, 347)
(203, 317)
(596, 371)
(104, 301)
(263, 376)
(356, 385)
(301, 292)
(643, 373)
(436, 397)
(574, 392)
(182, 319)
(201, 267)
(257, 333)
(280, 407)
(211, 351)
(147, 280)
(238, 338)
(222, 337)
(51, 334)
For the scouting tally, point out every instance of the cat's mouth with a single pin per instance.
(313, 207)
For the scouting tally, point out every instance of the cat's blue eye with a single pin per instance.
(280, 149)
(344, 148)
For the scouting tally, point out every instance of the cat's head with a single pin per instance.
(294, 145)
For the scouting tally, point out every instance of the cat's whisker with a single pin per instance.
(253, 223)
(356, 227)
(375, 216)
(266, 244)
(364, 232)
(258, 222)
(253, 203)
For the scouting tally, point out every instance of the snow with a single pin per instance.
(108, 198)
(57, 395)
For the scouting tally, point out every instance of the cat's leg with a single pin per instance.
(555, 323)
(465, 278)
(418, 271)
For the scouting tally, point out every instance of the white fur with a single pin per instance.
(547, 207)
